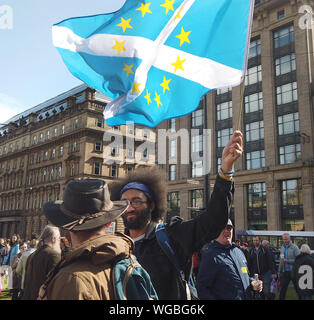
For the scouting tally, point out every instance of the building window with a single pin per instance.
(100, 122)
(289, 123)
(145, 154)
(256, 206)
(60, 151)
(76, 122)
(253, 75)
(46, 155)
(173, 148)
(223, 137)
(55, 132)
(219, 161)
(53, 153)
(283, 36)
(255, 48)
(285, 64)
(130, 153)
(292, 205)
(34, 139)
(44, 175)
(38, 157)
(52, 173)
(98, 146)
(286, 93)
(254, 131)
(59, 171)
(197, 169)
(224, 110)
(173, 201)
(62, 129)
(48, 135)
(72, 170)
(172, 124)
(197, 199)
(290, 153)
(281, 14)
(255, 160)
(197, 143)
(114, 170)
(41, 137)
(115, 151)
(223, 90)
(97, 168)
(172, 172)
(197, 118)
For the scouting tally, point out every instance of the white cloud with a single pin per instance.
(9, 107)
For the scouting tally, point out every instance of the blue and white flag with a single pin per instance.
(157, 59)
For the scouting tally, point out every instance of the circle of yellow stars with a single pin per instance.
(125, 24)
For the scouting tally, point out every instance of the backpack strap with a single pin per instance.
(164, 242)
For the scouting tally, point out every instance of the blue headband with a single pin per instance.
(137, 186)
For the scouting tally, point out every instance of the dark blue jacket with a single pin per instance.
(223, 274)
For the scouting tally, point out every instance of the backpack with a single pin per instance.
(131, 281)
(164, 242)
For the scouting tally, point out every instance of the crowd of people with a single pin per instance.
(82, 265)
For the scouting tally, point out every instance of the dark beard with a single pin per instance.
(140, 221)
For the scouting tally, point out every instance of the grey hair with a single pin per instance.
(48, 233)
(286, 234)
(305, 249)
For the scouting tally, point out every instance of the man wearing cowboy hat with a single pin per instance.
(85, 212)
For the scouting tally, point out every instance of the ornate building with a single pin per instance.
(59, 140)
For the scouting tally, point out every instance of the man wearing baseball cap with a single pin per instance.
(223, 273)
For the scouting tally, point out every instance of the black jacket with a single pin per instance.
(260, 263)
(307, 262)
(186, 237)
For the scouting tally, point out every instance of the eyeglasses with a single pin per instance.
(137, 203)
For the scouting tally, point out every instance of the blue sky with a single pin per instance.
(31, 69)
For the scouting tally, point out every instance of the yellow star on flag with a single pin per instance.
(128, 69)
(157, 99)
(165, 84)
(183, 36)
(178, 64)
(168, 5)
(135, 87)
(119, 46)
(125, 24)
(147, 97)
(144, 8)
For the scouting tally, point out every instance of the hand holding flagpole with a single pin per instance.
(232, 151)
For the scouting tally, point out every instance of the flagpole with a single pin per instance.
(242, 87)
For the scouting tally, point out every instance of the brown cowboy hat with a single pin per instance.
(86, 205)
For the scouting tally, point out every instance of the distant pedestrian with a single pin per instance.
(223, 273)
(14, 249)
(16, 278)
(41, 262)
(65, 246)
(304, 268)
(260, 261)
(21, 266)
(288, 252)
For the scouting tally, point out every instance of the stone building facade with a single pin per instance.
(61, 139)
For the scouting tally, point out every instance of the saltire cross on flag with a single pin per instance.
(157, 58)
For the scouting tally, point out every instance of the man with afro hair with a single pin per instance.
(146, 190)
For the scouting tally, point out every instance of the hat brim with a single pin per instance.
(57, 217)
